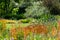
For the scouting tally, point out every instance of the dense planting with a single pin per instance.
(30, 32)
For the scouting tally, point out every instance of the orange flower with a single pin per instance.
(58, 26)
(41, 29)
(13, 32)
(58, 35)
(38, 29)
(58, 31)
(26, 31)
(54, 31)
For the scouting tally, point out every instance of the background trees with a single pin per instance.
(21, 9)
(53, 6)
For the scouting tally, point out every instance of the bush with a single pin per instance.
(36, 10)
(25, 21)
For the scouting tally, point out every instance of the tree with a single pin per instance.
(53, 6)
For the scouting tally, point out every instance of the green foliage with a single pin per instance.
(25, 21)
(36, 10)
(0, 26)
(14, 11)
(20, 36)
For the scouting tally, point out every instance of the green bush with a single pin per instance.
(25, 21)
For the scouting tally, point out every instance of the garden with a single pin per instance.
(29, 20)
